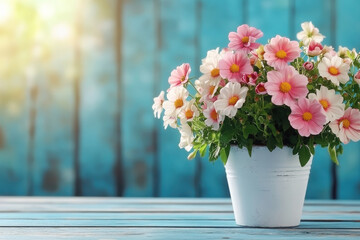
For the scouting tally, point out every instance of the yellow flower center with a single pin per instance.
(245, 39)
(281, 54)
(233, 100)
(178, 103)
(345, 123)
(324, 103)
(214, 115)
(189, 114)
(211, 90)
(215, 72)
(333, 71)
(234, 68)
(285, 87)
(307, 116)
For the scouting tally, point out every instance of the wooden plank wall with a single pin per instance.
(77, 119)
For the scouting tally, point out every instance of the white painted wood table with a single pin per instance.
(151, 218)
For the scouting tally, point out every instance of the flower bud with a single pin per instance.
(192, 155)
(314, 49)
(357, 77)
(308, 66)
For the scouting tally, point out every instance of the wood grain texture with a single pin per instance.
(98, 101)
(274, 18)
(178, 38)
(214, 33)
(52, 170)
(44, 218)
(138, 120)
(105, 78)
(349, 170)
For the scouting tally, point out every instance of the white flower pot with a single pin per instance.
(267, 189)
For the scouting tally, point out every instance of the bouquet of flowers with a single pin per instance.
(285, 93)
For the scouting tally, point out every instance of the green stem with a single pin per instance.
(193, 86)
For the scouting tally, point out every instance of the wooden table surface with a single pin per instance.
(162, 218)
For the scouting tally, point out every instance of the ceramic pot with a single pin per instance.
(267, 189)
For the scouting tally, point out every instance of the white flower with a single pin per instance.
(231, 97)
(189, 111)
(210, 67)
(157, 106)
(169, 120)
(332, 103)
(176, 100)
(187, 137)
(347, 127)
(310, 32)
(342, 52)
(207, 90)
(334, 69)
(213, 119)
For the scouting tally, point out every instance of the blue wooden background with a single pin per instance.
(77, 81)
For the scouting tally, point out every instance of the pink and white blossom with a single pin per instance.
(286, 85)
(213, 118)
(348, 126)
(334, 69)
(180, 75)
(170, 120)
(357, 77)
(244, 39)
(309, 32)
(231, 98)
(314, 49)
(189, 112)
(280, 51)
(158, 104)
(250, 79)
(308, 66)
(186, 137)
(307, 117)
(210, 67)
(234, 65)
(176, 100)
(331, 102)
(260, 89)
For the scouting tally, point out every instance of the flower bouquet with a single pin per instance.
(286, 93)
(262, 110)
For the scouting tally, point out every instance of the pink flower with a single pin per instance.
(244, 39)
(180, 75)
(314, 49)
(307, 116)
(280, 51)
(308, 66)
(234, 65)
(357, 77)
(260, 89)
(250, 79)
(286, 85)
(347, 127)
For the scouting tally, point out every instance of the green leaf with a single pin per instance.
(224, 154)
(297, 147)
(271, 143)
(202, 150)
(304, 155)
(250, 129)
(333, 155)
(226, 134)
(214, 151)
(249, 145)
(273, 129)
